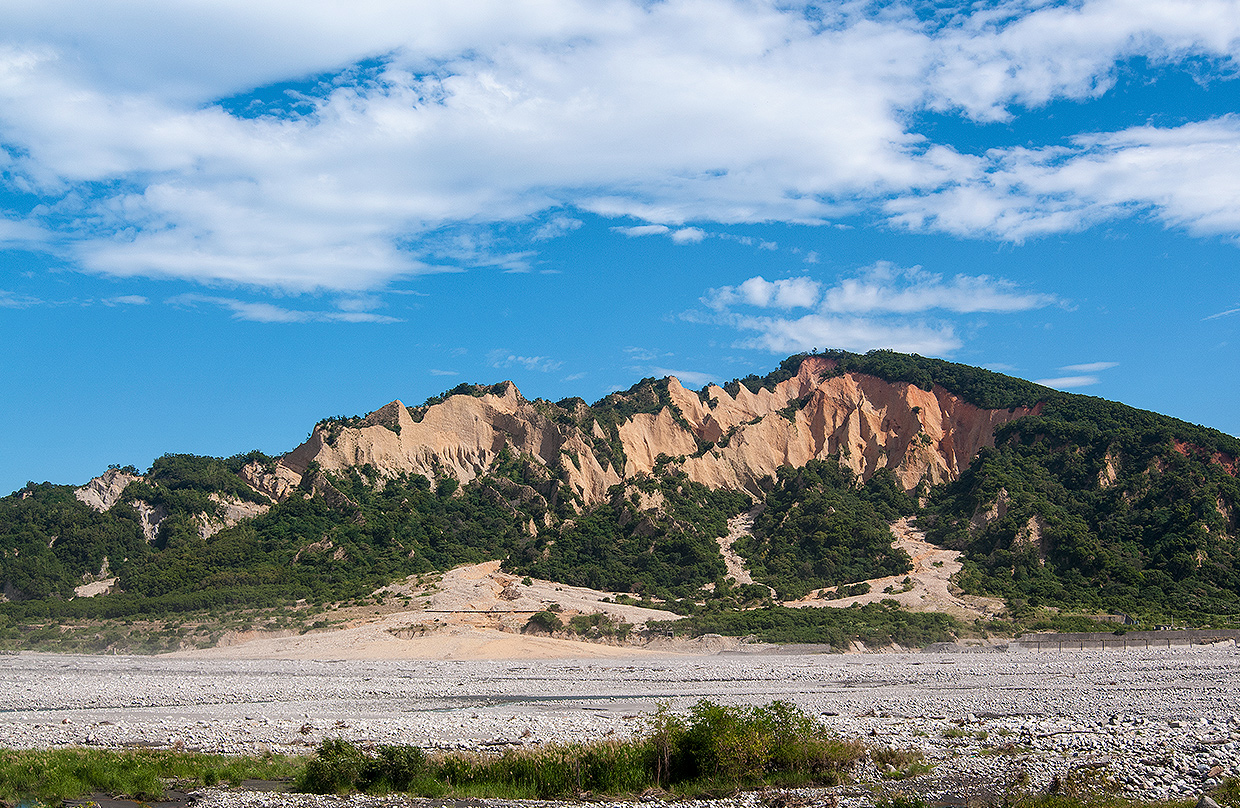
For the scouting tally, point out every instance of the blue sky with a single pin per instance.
(221, 221)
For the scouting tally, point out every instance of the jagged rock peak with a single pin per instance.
(733, 440)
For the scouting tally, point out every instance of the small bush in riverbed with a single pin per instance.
(715, 748)
(897, 764)
(341, 768)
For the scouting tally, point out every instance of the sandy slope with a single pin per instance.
(931, 590)
(471, 612)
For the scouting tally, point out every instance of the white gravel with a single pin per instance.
(1161, 723)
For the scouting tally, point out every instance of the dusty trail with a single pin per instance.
(739, 526)
(930, 584)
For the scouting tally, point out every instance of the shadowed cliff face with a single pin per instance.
(725, 441)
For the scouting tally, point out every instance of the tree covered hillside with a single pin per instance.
(1087, 505)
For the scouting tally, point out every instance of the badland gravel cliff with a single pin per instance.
(721, 440)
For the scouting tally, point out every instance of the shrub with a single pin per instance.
(544, 621)
(716, 747)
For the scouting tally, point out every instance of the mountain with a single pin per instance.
(1053, 499)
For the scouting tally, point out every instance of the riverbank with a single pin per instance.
(1162, 723)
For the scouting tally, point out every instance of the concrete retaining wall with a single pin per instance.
(1088, 641)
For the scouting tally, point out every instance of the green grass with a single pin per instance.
(51, 776)
(903, 763)
(715, 749)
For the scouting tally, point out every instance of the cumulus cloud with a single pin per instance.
(557, 226)
(404, 123)
(866, 311)
(883, 288)
(888, 288)
(784, 335)
(1031, 53)
(758, 291)
(688, 235)
(1188, 176)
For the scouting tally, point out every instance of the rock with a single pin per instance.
(104, 491)
(868, 422)
(229, 510)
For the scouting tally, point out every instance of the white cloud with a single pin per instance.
(870, 310)
(269, 313)
(21, 234)
(430, 117)
(1187, 176)
(888, 288)
(1068, 382)
(557, 226)
(787, 293)
(643, 230)
(503, 359)
(435, 372)
(692, 378)
(639, 354)
(688, 235)
(11, 300)
(883, 288)
(125, 300)
(1226, 313)
(1030, 53)
(782, 336)
(1090, 367)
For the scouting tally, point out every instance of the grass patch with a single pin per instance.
(715, 749)
(51, 776)
(899, 764)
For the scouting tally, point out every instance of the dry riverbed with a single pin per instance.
(1161, 723)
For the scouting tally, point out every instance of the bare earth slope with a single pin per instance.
(868, 422)
(470, 612)
(929, 588)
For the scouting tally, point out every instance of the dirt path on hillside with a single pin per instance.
(738, 526)
(930, 588)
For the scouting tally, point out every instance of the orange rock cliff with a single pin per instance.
(867, 422)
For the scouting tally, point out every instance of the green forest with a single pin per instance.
(821, 528)
(667, 554)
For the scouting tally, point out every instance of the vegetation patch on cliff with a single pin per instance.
(821, 527)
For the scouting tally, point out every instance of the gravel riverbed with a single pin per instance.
(1162, 724)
